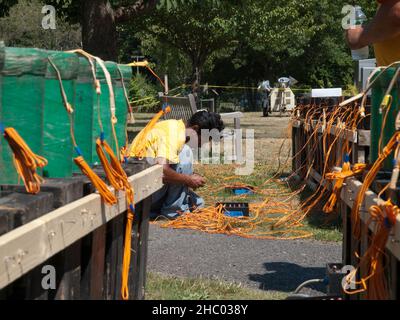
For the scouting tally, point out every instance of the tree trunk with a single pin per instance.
(195, 79)
(99, 35)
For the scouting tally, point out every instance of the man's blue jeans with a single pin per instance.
(174, 198)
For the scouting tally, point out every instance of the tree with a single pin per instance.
(198, 29)
(98, 19)
(22, 28)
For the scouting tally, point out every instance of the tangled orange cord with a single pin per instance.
(214, 220)
(26, 162)
(340, 177)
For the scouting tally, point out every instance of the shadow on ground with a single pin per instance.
(286, 277)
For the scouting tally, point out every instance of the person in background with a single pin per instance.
(383, 32)
(265, 89)
(169, 144)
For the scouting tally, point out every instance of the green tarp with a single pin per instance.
(85, 104)
(22, 92)
(121, 103)
(56, 127)
(31, 102)
(378, 93)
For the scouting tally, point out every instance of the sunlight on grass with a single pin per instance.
(162, 287)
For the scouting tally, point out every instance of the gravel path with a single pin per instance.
(264, 264)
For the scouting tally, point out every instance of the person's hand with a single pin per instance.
(196, 181)
(354, 38)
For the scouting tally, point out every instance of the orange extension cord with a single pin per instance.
(285, 221)
(139, 148)
(374, 283)
(107, 196)
(25, 161)
(115, 174)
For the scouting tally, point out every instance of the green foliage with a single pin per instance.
(164, 287)
(229, 42)
(143, 94)
(23, 28)
(193, 33)
(248, 41)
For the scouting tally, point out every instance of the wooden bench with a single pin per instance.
(184, 107)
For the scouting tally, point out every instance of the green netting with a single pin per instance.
(2, 53)
(22, 87)
(120, 102)
(57, 144)
(105, 113)
(378, 93)
(31, 102)
(85, 108)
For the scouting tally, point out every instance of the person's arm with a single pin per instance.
(384, 26)
(171, 176)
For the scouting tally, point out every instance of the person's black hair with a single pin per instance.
(207, 120)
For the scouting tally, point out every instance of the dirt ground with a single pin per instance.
(269, 133)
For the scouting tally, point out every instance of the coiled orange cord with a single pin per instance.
(25, 161)
(107, 196)
(355, 211)
(112, 167)
(384, 217)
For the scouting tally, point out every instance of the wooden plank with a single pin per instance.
(97, 263)
(114, 251)
(364, 138)
(346, 134)
(68, 273)
(231, 115)
(352, 187)
(350, 135)
(135, 244)
(143, 246)
(28, 246)
(343, 210)
(364, 245)
(392, 276)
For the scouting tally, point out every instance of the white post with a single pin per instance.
(166, 84)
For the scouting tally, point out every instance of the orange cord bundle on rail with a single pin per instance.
(355, 211)
(115, 174)
(25, 160)
(374, 283)
(107, 196)
(340, 177)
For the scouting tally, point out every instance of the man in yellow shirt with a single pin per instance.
(383, 32)
(168, 144)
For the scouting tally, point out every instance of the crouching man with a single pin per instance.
(167, 144)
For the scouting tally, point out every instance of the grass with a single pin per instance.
(162, 287)
(270, 133)
(323, 227)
